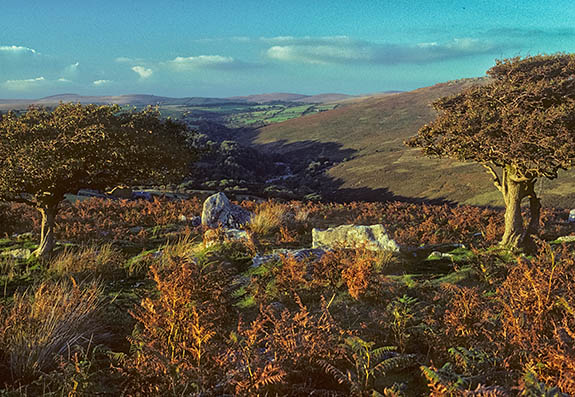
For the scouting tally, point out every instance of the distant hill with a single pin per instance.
(145, 100)
(365, 136)
(288, 97)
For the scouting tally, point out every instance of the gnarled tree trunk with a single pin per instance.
(49, 211)
(515, 188)
(513, 236)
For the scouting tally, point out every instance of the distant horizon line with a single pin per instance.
(199, 96)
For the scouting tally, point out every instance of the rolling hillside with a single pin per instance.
(366, 138)
(145, 100)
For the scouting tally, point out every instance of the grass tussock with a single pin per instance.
(269, 217)
(46, 322)
(93, 259)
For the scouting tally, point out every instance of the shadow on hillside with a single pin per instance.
(305, 156)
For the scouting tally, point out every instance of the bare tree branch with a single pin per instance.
(492, 172)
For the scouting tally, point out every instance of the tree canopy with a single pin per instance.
(45, 154)
(521, 120)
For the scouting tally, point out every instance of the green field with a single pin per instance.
(240, 115)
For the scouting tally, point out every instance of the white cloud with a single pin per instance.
(16, 49)
(128, 60)
(233, 39)
(63, 80)
(100, 83)
(143, 72)
(342, 49)
(72, 68)
(22, 85)
(201, 61)
(306, 39)
(214, 62)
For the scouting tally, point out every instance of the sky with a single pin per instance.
(220, 48)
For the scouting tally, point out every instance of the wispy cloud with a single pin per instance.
(16, 49)
(99, 83)
(217, 62)
(201, 61)
(233, 39)
(24, 84)
(342, 49)
(72, 68)
(143, 72)
(128, 60)
(530, 33)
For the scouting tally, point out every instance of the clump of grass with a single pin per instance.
(302, 215)
(101, 260)
(268, 218)
(44, 323)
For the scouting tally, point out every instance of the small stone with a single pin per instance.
(571, 216)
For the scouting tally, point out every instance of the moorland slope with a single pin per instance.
(373, 130)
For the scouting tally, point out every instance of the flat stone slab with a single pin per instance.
(374, 238)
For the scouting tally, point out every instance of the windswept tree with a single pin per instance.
(520, 126)
(46, 154)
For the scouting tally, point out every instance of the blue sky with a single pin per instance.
(239, 47)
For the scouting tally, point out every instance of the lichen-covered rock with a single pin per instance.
(219, 211)
(372, 237)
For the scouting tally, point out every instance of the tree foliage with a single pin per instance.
(522, 120)
(525, 117)
(45, 154)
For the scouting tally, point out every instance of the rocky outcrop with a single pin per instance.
(219, 211)
(372, 237)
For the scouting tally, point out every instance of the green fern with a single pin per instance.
(444, 380)
(367, 364)
(533, 388)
